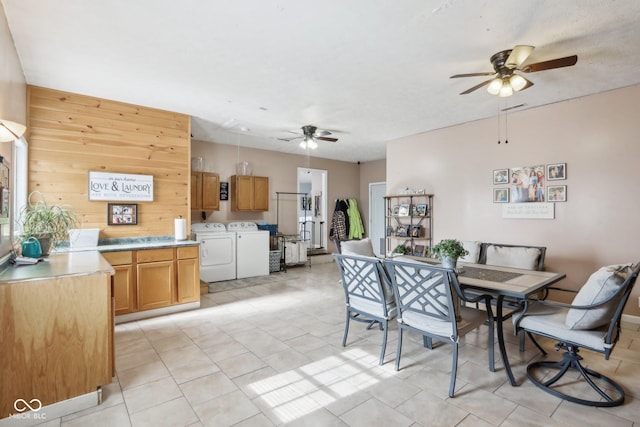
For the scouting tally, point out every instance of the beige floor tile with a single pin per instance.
(286, 360)
(142, 374)
(242, 364)
(135, 359)
(226, 410)
(373, 412)
(428, 409)
(256, 421)
(524, 417)
(151, 394)
(225, 350)
(571, 414)
(207, 387)
(108, 417)
(174, 413)
(483, 404)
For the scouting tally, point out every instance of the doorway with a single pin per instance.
(377, 191)
(312, 207)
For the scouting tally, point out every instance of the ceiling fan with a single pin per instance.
(310, 135)
(505, 80)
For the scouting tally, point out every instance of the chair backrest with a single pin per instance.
(366, 285)
(424, 296)
(516, 256)
(613, 332)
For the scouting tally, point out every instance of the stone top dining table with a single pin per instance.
(501, 282)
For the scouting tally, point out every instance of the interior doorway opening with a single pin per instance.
(312, 208)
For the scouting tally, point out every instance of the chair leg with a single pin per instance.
(454, 369)
(571, 362)
(346, 329)
(427, 342)
(385, 328)
(521, 335)
(399, 350)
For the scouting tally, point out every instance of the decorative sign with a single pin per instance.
(528, 210)
(224, 191)
(120, 186)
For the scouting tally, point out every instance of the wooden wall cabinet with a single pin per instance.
(249, 193)
(154, 278)
(205, 191)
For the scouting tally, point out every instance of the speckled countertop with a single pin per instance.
(128, 244)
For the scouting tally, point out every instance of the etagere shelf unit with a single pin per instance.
(408, 220)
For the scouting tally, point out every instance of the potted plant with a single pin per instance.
(402, 250)
(47, 223)
(448, 251)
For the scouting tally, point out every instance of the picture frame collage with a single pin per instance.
(530, 184)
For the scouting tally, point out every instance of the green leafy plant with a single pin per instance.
(41, 220)
(402, 249)
(449, 248)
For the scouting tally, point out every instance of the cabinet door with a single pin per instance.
(261, 193)
(123, 290)
(244, 193)
(210, 191)
(155, 282)
(196, 190)
(188, 280)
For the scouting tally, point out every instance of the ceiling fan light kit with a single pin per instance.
(311, 135)
(505, 81)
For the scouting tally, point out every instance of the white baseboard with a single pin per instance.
(631, 319)
(145, 314)
(53, 411)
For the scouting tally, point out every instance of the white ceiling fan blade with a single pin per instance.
(518, 55)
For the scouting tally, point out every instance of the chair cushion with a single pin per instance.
(504, 256)
(473, 246)
(600, 286)
(361, 247)
(550, 321)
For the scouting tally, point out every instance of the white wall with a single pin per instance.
(597, 136)
(13, 88)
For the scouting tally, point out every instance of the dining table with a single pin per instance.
(500, 283)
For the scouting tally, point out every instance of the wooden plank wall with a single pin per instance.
(70, 135)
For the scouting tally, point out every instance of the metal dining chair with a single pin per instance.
(591, 322)
(368, 294)
(428, 298)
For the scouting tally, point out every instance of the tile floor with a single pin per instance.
(271, 354)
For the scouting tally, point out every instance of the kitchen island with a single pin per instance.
(56, 334)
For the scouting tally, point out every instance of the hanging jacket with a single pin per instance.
(356, 229)
(338, 229)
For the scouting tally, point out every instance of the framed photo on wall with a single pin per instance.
(401, 230)
(122, 214)
(500, 176)
(556, 171)
(500, 195)
(556, 193)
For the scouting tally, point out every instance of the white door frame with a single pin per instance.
(377, 191)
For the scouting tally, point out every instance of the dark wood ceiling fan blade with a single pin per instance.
(289, 139)
(488, 73)
(567, 61)
(476, 87)
(322, 133)
(324, 138)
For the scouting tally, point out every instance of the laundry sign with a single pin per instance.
(120, 186)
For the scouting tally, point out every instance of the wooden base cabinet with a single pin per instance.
(124, 289)
(249, 193)
(205, 191)
(154, 278)
(188, 275)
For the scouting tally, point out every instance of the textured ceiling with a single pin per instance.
(370, 71)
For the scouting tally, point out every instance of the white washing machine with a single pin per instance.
(252, 249)
(217, 251)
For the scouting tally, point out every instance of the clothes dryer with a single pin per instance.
(217, 251)
(252, 249)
